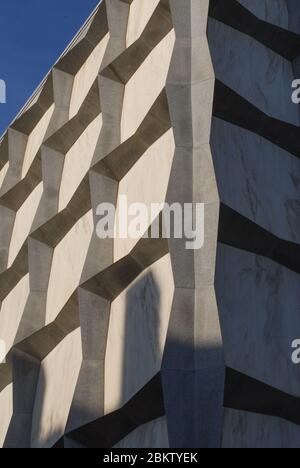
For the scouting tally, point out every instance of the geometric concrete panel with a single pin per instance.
(49, 417)
(241, 430)
(153, 434)
(275, 210)
(259, 317)
(138, 325)
(250, 74)
(6, 402)
(133, 341)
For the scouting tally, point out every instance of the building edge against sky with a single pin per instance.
(113, 342)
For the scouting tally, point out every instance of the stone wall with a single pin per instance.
(131, 342)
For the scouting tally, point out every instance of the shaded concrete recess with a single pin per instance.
(141, 342)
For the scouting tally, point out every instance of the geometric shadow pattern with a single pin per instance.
(112, 342)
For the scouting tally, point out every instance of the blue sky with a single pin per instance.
(33, 33)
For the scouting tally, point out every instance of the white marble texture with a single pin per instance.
(22, 149)
(249, 430)
(139, 15)
(78, 161)
(254, 71)
(137, 331)
(11, 311)
(272, 11)
(23, 222)
(55, 389)
(259, 311)
(152, 435)
(258, 179)
(293, 7)
(3, 173)
(6, 404)
(67, 265)
(142, 90)
(258, 299)
(35, 140)
(147, 182)
(86, 76)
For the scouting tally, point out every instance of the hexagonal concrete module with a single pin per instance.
(111, 342)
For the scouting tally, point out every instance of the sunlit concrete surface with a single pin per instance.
(137, 342)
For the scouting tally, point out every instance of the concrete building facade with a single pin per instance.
(141, 342)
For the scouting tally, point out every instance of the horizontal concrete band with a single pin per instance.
(232, 13)
(145, 406)
(233, 108)
(247, 394)
(238, 231)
